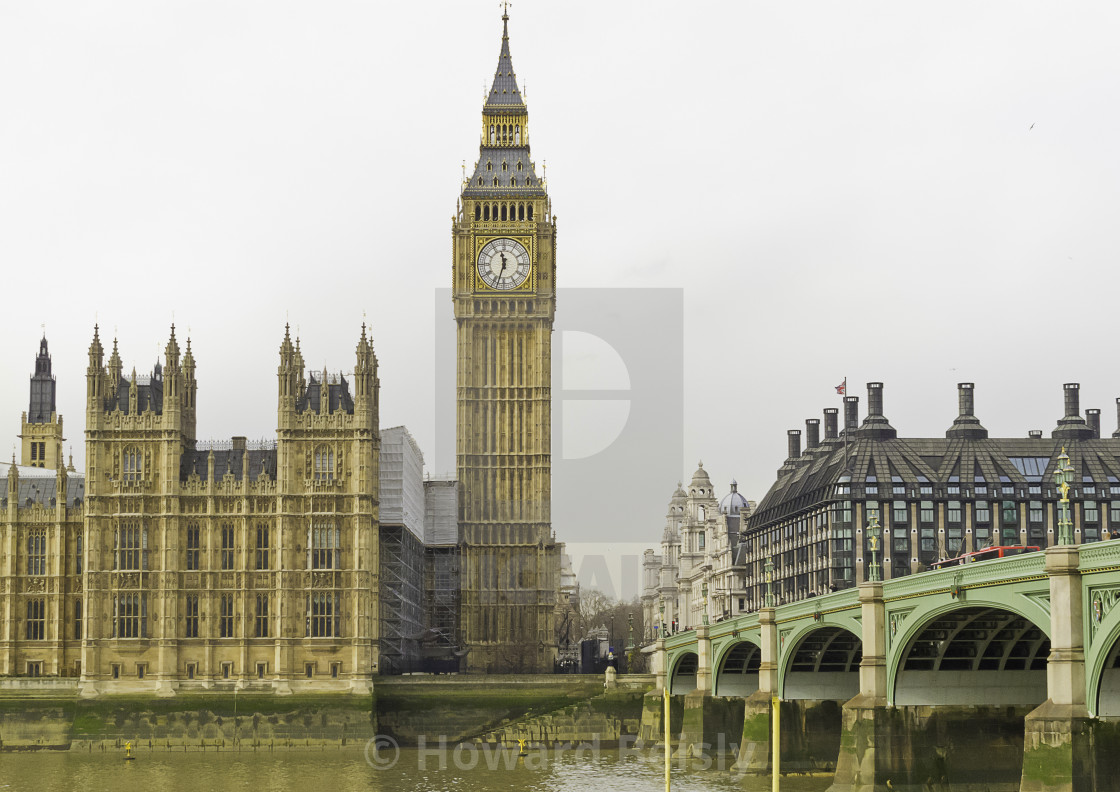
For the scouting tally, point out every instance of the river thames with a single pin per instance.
(347, 770)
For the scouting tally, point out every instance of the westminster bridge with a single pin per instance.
(1002, 674)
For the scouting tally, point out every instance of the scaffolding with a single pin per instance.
(401, 599)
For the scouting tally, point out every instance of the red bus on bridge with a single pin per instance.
(987, 554)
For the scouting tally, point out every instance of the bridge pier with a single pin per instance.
(865, 722)
(709, 725)
(754, 748)
(1058, 735)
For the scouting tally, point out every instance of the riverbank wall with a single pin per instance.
(407, 709)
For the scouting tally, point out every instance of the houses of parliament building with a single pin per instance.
(299, 563)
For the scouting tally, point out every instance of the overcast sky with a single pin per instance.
(840, 189)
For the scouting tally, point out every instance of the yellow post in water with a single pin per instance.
(665, 730)
(776, 743)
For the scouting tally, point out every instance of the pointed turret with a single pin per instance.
(503, 167)
(42, 402)
(171, 355)
(504, 94)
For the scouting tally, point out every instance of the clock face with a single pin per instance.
(503, 264)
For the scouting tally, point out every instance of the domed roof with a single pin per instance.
(676, 503)
(700, 476)
(733, 502)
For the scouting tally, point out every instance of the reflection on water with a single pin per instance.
(346, 770)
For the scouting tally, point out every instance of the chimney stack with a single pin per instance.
(876, 424)
(812, 433)
(1073, 399)
(1072, 426)
(831, 416)
(794, 438)
(851, 413)
(1093, 418)
(1117, 432)
(1035, 434)
(966, 424)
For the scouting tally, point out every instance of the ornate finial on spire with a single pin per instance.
(95, 329)
(505, 10)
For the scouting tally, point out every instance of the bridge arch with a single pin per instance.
(683, 677)
(968, 653)
(737, 670)
(1103, 666)
(822, 663)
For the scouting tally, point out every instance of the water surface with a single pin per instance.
(348, 770)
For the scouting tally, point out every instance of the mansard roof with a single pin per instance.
(338, 390)
(227, 460)
(927, 467)
(38, 485)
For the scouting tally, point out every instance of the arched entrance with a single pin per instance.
(738, 671)
(977, 655)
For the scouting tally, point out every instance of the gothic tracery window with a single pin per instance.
(133, 466)
(324, 463)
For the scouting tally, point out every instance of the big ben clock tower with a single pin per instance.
(504, 291)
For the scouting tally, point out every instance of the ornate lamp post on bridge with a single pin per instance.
(1062, 477)
(768, 601)
(873, 572)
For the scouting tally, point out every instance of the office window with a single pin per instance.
(225, 618)
(901, 543)
(194, 544)
(926, 512)
(37, 552)
(36, 619)
(262, 547)
(1010, 513)
(898, 514)
(77, 620)
(953, 512)
(192, 616)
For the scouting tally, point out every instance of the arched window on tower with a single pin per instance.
(324, 463)
(529, 212)
(486, 212)
(493, 137)
(503, 211)
(517, 135)
(133, 465)
(495, 181)
(521, 211)
(477, 212)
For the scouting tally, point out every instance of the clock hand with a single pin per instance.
(503, 255)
